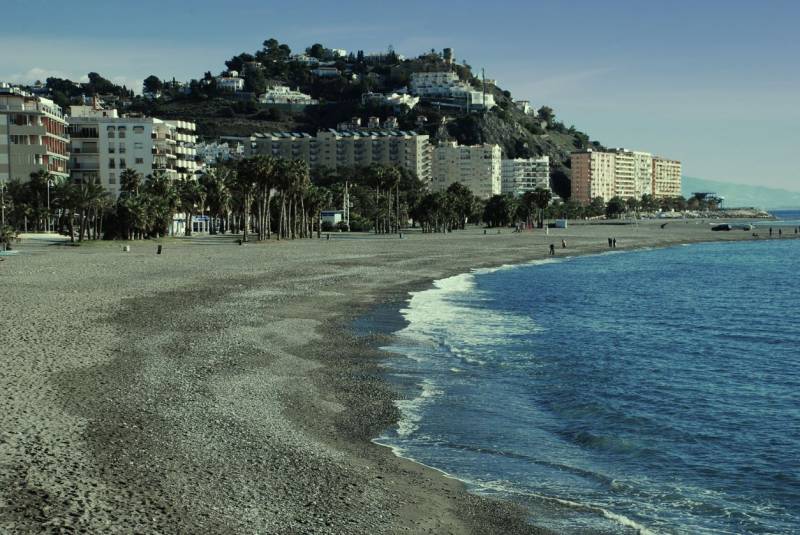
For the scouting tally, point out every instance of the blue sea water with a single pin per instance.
(652, 391)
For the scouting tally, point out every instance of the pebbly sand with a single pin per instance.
(218, 388)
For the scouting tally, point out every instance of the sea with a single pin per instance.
(648, 391)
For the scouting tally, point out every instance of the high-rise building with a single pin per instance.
(33, 136)
(104, 145)
(351, 148)
(592, 175)
(622, 173)
(476, 166)
(525, 174)
(666, 177)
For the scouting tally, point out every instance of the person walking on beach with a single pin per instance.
(609, 243)
(552, 250)
(614, 243)
(770, 231)
(780, 232)
(563, 244)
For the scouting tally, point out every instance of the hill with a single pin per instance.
(739, 195)
(520, 134)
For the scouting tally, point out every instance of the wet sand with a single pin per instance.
(219, 389)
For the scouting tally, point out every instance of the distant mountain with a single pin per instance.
(738, 195)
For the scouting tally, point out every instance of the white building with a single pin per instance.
(104, 145)
(525, 174)
(525, 107)
(33, 136)
(446, 89)
(339, 52)
(230, 83)
(478, 167)
(394, 100)
(283, 95)
(305, 59)
(211, 153)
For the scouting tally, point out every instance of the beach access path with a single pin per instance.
(217, 388)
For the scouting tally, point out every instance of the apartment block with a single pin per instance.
(447, 90)
(521, 175)
(593, 175)
(666, 177)
(478, 167)
(341, 149)
(622, 173)
(104, 145)
(33, 136)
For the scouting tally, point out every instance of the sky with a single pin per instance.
(713, 83)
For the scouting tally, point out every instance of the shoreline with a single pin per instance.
(220, 389)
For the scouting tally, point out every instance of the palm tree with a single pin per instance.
(162, 201)
(130, 181)
(300, 181)
(541, 198)
(218, 196)
(192, 198)
(243, 184)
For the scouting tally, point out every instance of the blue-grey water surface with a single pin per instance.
(651, 391)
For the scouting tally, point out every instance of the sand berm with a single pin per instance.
(217, 388)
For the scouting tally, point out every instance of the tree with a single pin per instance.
(130, 181)
(192, 199)
(546, 114)
(614, 207)
(463, 202)
(162, 201)
(499, 210)
(254, 80)
(316, 51)
(541, 198)
(152, 84)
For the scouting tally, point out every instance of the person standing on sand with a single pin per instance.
(780, 232)
(614, 242)
(552, 250)
(609, 243)
(563, 244)
(770, 231)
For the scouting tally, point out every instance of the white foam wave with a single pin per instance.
(411, 409)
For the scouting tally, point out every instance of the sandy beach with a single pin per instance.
(218, 388)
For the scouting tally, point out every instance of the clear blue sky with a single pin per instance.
(714, 83)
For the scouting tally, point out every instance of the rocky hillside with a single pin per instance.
(519, 134)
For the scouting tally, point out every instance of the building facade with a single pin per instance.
(478, 167)
(104, 145)
(33, 136)
(592, 175)
(623, 173)
(335, 149)
(281, 95)
(521, 175)
(446, 89)
(666, 177)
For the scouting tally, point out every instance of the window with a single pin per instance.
(138, 129)
(111, 163)
(122, 163)
(121, 148)
(111, 149)
(122, 132)
(112, 178)
(138, 145)
(139, 161)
